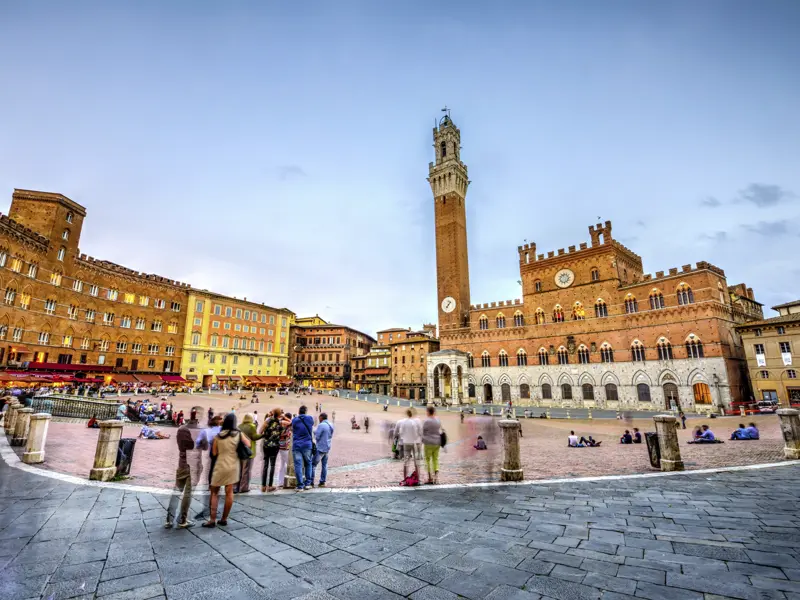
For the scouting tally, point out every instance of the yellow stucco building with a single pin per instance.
(230, 342)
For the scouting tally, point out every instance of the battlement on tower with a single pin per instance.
(120, 270)
(675, 271)
(500, 304)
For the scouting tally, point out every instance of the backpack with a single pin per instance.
(411, 480)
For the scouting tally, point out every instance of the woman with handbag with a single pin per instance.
(433, 439)
(229, 448)
(248, 427)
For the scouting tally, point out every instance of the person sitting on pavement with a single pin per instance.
(151, 434)
(591, 442)
(752, 431)
(480, 444)
(706, 437)
(93, 424)
(740, 433)
(637, 436)
(626, 438)
(573, 442)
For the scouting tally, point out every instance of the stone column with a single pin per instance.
(290, 479)
(105, 457)
(512, 465)
(11, 416)
(21, 426)
(37, 436)
(790, 427)
(668, 442)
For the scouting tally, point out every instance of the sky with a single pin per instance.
(279, 150)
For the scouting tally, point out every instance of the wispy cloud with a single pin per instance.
(286, 172)
(717, 236)
(764, 195)
(710, 202)
(769, 228)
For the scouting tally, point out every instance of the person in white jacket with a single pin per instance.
(410, 435)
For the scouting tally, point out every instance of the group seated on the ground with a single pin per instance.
(746, 433)
(574, 442)
(627, 438)
(703, 435)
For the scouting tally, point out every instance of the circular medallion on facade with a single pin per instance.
(448, 304)
(564, 278)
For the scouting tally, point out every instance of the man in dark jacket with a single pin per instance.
(302, 442)
(183, 477)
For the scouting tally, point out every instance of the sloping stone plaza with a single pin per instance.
(687, 536)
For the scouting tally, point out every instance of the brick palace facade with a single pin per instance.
(591, 329)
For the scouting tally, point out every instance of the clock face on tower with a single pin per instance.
(564, 278)
(448, 304)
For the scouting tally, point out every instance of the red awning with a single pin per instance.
(69, 367)
(382, 371)
(275, 380)
(124, 378)
(254, 378)
(149, 378)
(222, 378)
(173, 379)
(235, 378)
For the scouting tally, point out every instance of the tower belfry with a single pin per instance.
(449, 181)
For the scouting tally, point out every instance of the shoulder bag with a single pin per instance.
(242, 451)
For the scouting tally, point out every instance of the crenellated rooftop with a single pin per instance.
(120, 270)
(33, 237)
(675, 271)
(500, 304)
(600, 235)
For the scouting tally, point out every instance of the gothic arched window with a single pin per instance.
(503, 358)
(543, 357)
(694, 348)
(483, 322)
(501, 321)
(656, 300)
(558, 314)
(600, 309)
(470, 361)
(578, 314)
(486, 360)
(664, 349)
(539, 316)
(444, 149)
(522, 358)
(519, 319)
(583, 355)
(588, 391)
(563, 356)
(637, 351)
(606, 353)
(631, 306)
(566, 391)
(685, 294)
(547, 392)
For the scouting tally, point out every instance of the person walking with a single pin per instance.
(183, 480)
(205, 442)
(302, 444)
(432, 441)
(366, 424)
(271, 433)
(683, 419)
(226, 468)
(323, 435)
(248, 427)
(284, 446)
(409, 432)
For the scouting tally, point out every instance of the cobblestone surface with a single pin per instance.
(688, 536)
(360, 459)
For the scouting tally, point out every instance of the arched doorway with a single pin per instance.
(505, 392)
(525, 391)
(459, 383)
(702, 393)
(487, 393)
(447, 380)
(471, 390)
(671, 399)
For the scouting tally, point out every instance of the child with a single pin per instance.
(481, 445)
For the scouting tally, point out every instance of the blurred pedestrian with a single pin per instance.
(323, 436)
(248, 427)
(302, 445)
(410, 433)
(226, 468)
(432, 440)
(183, 480)
(204, 443)
(284, 446)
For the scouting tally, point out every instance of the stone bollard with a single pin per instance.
(512, 466)
(8, 421)
(790, 426)
(547, 412)
(568, 414)
(398, 403)
(37, 436)
(105, 457)
(21, 426)
(589, 415)
(290, 479)
(668, 442)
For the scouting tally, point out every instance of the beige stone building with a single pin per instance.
(772, 346)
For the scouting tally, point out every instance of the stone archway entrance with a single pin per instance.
(442, 382)
(487, 393)
(671, 399)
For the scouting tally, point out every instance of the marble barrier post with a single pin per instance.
(668, 442)
(512, 465)
(790, 427)
(290, 479)
(37, 436)
(11, 418)
(105, 457)
(8, 425)
(21, 426)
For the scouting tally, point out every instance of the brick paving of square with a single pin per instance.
(363, 459)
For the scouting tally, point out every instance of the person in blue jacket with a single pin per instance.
(302, 441)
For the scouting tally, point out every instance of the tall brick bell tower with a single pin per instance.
(449, 182)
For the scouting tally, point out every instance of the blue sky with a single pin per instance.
(279, 151)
